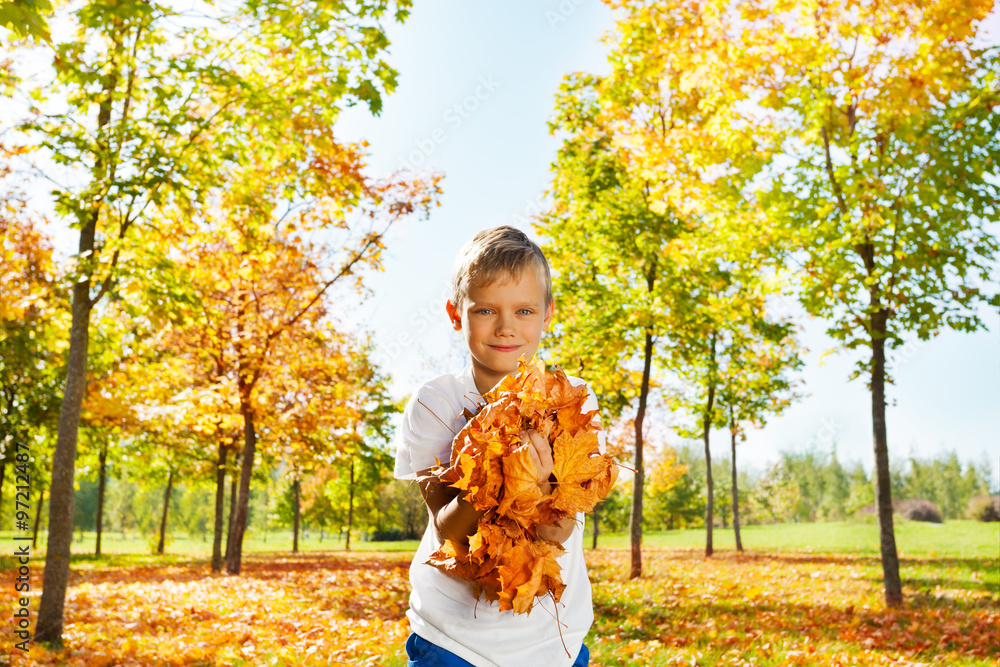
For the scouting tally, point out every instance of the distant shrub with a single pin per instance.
(984, 508)
(918, 509)
(391, 535)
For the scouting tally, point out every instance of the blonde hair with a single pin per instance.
(492, 254)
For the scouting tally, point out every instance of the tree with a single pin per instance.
(26, 18)
(868, 134)
(731, 357)
(885, 188)
(756, 384)
(837, 489)
(167, 121)
(665, 474)
(33, 322)
(607, 247)
(652, 116)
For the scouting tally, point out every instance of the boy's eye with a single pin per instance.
(525, 311)
(483, 311)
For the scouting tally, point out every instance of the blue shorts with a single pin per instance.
(422, 653)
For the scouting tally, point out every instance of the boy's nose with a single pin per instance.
(505, 325)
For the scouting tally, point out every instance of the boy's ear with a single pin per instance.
(549, 312)
(453, 315)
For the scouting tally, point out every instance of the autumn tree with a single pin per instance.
(757, 384)
(889, 191)
(33, 323)
(607, 248)
(866, 133)
(665, 474)
(325, 399)
(884, 118)
(152, 122)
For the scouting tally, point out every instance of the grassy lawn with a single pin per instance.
(960, 539)
(181, 548)
(813, 596)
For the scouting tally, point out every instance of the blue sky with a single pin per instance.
(476, 88)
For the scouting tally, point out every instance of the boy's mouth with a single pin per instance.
(505, 348)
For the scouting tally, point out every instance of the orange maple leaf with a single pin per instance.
(506, 561)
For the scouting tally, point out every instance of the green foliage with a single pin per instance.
(682, 506)
(191, 511)
(943, 481)
(33, 325)
(401, 511)
(85, 505)
(26, 18)
(606, 248)
(615, 509)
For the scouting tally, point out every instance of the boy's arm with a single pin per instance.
(454, 517)
(558, 532)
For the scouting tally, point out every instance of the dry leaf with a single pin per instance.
(506, 561)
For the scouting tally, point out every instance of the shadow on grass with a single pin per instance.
(689, 602)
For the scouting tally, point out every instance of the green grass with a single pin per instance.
(139, 549)
(952, 539)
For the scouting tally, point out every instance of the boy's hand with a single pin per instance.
(541, 455)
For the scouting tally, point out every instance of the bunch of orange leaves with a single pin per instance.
(506, 561)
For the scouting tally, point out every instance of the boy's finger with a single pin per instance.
(543, 453)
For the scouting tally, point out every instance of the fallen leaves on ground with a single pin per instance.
(778, 610)
(348, 609)
(506, 561)
(302, 611)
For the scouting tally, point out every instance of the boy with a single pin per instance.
(501, 302)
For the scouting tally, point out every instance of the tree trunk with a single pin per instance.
(736, 493)
(101, 480)
(234, 556)
(3, 467)
(296, 489)
(38, 519)
(635, 517)
(233, 496)
(49, 628)
(883, 486)
(220, 507)
(166, 507)
(706, 427)
(350, 509)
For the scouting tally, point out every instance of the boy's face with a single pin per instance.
(502, 322)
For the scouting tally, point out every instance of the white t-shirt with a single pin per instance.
(443, 609)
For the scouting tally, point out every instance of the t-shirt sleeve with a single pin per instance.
(424, 433)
